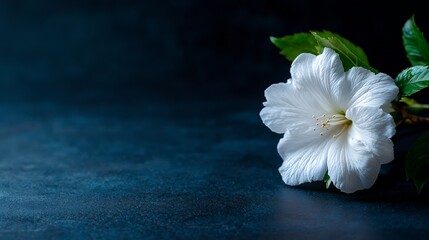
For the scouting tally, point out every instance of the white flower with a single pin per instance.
(332, 121)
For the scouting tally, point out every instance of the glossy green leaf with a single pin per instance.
(292, 45)
(417, 162)
(412, 80)
(350, 54)
(415, 44)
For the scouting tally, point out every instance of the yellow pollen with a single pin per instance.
(334, 121)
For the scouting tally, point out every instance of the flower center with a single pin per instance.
(334, 124)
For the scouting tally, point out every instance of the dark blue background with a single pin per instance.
(140, 119)
(206, 48)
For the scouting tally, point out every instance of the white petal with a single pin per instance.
(279, 119)
(372, 122)
(388, 107)
(385, 150)
(287, 95)
(289, 108)
(321, 75)
(304, 157)
(369, 89)
(351, 165)
(279, 95)
(374, 128)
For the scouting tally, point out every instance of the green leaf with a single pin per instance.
(327, 180)
(417, 162)
(350, 54)
(415, 44)
(293, 45)
(412, 80)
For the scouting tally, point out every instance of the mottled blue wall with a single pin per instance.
(205, 48)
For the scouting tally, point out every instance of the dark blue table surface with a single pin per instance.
(175, 169)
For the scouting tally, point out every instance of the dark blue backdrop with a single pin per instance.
(204, 48)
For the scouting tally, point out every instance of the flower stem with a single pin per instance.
(411, 118)
(417, 119)
(418, 107)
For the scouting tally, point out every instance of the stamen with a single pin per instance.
(342, 130)
(326, 123)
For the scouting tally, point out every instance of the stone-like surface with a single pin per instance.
(178, 169)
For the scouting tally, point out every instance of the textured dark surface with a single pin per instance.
(139, 120)
(200, 170)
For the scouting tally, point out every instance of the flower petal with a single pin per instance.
(304, 157)
(287, 95)
(279, 119)
(369, 89)
(372, 122)
(374, 128)
(287, 108)
(321, 75)
(351, 165)
(385, 150)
